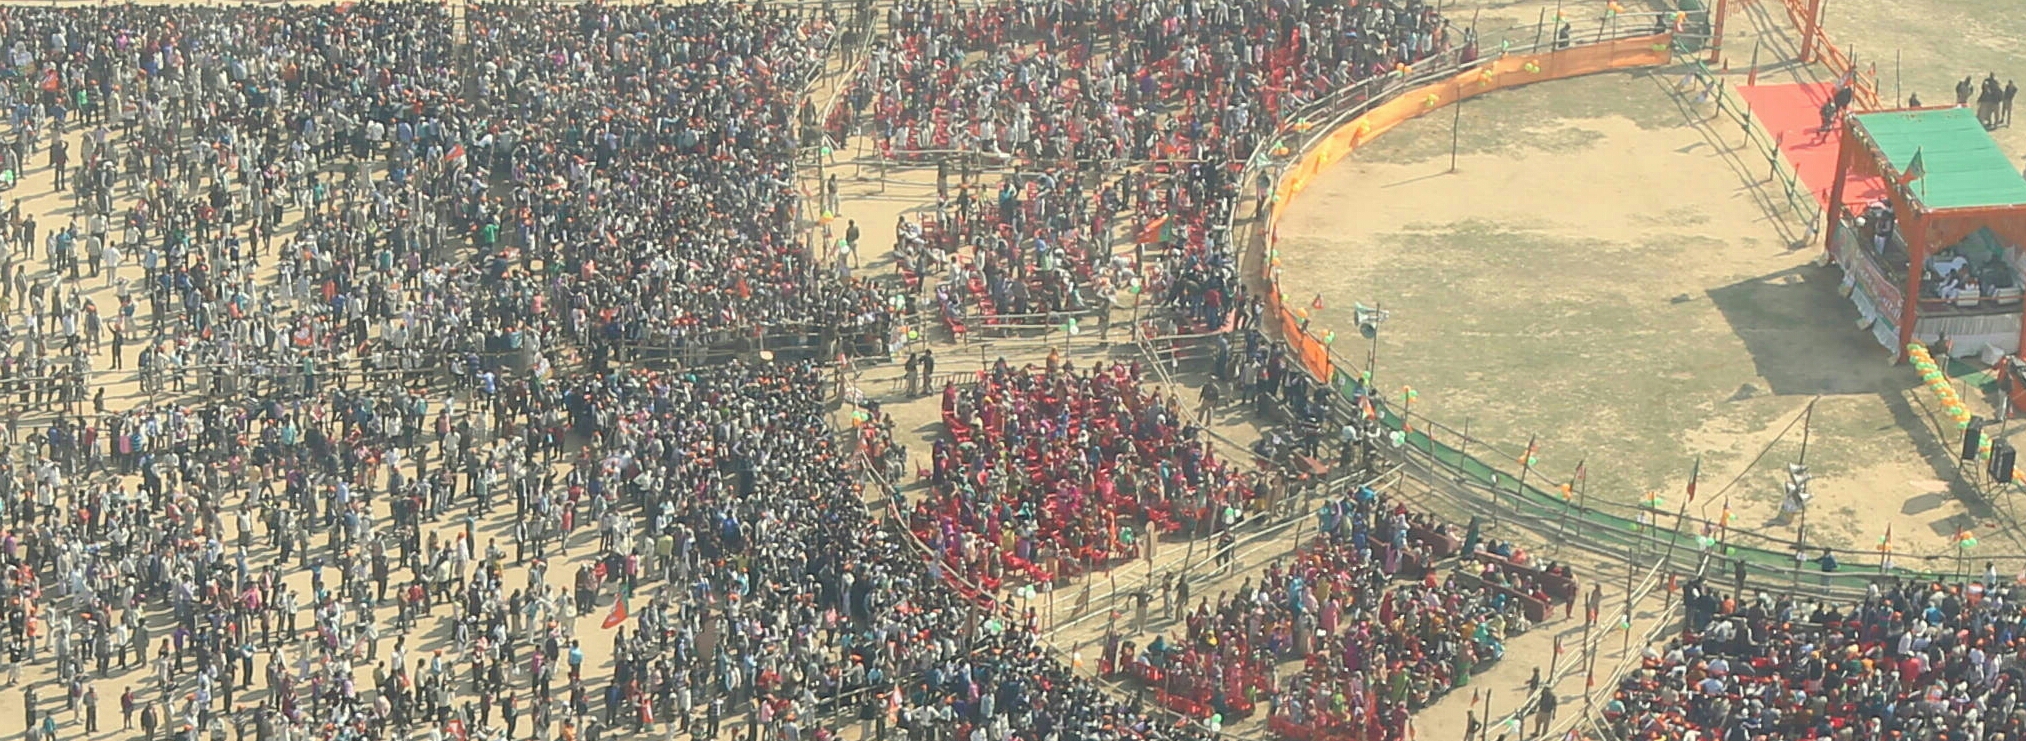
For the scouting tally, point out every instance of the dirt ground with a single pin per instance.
(1487, 324)
(1597, 273)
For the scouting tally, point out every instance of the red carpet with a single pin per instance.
(1792, 114)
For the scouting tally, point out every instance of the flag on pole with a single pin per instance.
(1526, 460)
(1885, 543)
(1575, 480)
(618, 614)
(1694, 475)
(456, 153)
(1915, 170)
(1558, 645)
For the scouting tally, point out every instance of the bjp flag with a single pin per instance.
(1154, 232)
(618, 614)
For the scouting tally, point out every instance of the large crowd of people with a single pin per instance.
(1049, 472)
(1912, 660)
(1380, 630)
(1130, 118)
(381, 274)
(625, 177)
(280, 198)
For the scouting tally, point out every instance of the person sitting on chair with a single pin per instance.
(1950, 287)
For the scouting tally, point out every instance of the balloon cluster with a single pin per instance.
(1931, 374)
(1952, 404)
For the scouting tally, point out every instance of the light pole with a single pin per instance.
(1368, 319)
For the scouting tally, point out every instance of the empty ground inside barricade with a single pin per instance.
(1595, 274)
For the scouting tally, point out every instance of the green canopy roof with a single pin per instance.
(1965, 168)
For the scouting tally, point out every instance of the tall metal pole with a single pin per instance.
(1631, 570)
(1807, 421)
(1575, 480)
(1526, 467)
(1489, 717)
(1589, 669)
(1556, 41)
(1455, 125)
(1372, 349)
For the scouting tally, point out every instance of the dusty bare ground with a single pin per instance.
(1596, 273)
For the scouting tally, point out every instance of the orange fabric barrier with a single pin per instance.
(1510, 71)
(1505, 72)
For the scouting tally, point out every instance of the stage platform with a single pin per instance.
(1792, 114)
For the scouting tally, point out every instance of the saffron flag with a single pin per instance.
(1694, 475)
(1915, 170)
(456, 152)
(618, 614)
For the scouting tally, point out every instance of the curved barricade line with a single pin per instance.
(1393, 107)
(1473, 79)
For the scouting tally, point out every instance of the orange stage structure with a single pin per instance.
(1939, 256)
